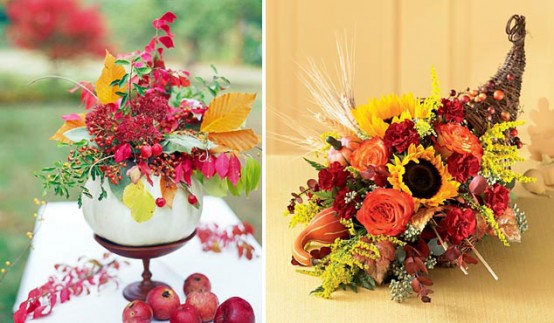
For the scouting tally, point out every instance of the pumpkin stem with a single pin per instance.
(334, 143)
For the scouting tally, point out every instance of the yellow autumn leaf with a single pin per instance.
(68, 125)
(238, 140)
(227, 112)
(110, 72)
(169, 189)
(139, 201)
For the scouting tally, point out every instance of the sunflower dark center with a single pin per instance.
(423, 179)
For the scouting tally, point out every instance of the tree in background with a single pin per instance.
(61, 29)
(210, 30)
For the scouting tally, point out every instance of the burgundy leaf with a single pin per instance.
(420, 265)
(416, 286)
(425, 281)
(410, 265)
(469, 259)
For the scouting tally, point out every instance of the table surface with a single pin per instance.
(64, 236)
(524, 292)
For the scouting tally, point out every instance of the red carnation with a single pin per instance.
(463, 166)
(401, 135)
(497, 198)
(344, 209)
(452, 110)
(333, 176)
(459, 224)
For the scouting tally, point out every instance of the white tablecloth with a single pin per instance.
(64, 236)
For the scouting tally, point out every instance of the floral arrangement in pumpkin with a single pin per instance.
(409, 183)
(144, 120)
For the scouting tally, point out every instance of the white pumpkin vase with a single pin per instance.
(111, 219)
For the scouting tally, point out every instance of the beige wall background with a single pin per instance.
(396, 44)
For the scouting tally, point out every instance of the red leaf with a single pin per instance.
(222, 165)
(41, 312)
(65, 295)
(20, 315)
(410, 265)
(71, 117)
(168, 17)
(416, 286)
(145, 170)
(469, 259)
(166, 41)
(123, 153)
(208, 167)
(234, 170)
(425, 281)
(420, 265)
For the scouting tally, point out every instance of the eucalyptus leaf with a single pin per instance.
(400, 254)
(77, 134)
(435, 248)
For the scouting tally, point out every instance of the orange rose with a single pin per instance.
(372, 152)
(386, 211)
(453, 138)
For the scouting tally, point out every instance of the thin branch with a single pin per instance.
(65, 79)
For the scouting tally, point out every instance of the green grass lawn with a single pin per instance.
(25, 148)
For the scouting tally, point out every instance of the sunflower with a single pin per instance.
(422, 174)
(375, 116)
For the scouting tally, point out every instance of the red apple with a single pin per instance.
(205, 303)
(234, 310)
(137, 310)
(137, 321)
(185, 314)
(163, 301)
(197, 283)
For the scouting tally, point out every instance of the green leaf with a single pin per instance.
(315, 165)
(140, 89)
(139, 201)
(115, 82)
(122, 62)
(213, 68)
(216, 186)
(317, 290)
(143, 70)
(235, 190)
(364, 280)
(123, 80)
(324, 195)
(184, 144)
(117, 190)
(77, 134)
(251, 172)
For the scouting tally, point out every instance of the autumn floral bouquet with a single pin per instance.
(143, 121)
(409, 183)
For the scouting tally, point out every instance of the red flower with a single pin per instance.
(344, 209)
(386, 211)
(333, 176)
(497, 198)
(153, 105)
(138, 130)
(459, 224)
(463, 166)
(452, 110)
(401, 135)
